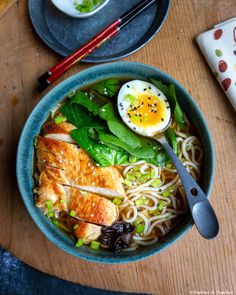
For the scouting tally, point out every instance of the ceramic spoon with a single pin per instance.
(202, 212)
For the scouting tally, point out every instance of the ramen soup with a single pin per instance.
(103, 184)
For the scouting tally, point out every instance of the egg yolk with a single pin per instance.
(148, 110)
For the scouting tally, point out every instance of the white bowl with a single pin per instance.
(68, 8)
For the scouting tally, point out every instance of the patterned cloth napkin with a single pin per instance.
(219, 49)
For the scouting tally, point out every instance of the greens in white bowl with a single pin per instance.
(80, 8)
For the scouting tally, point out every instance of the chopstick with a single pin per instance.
(55, 72)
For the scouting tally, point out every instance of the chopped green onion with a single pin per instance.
(140, 228)
(60, 119)
(94, 245)
(137, 221)
(132, 159)
(75, 226)
(130, 177)
(49, 205)
(128, 182)
(79, 243)
(169, 166)
(35, 141)
(156, 183)
(62, 201)
(153, 211)
(117, 201)
(139, 202)
(166, 194)
(138, 174)
(161, 205)
(152, 173)
(50, 214)
(145, 177)
(171, 188)
(72, 213)
(83, 193)
(136, 168)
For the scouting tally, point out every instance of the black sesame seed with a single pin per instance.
(155, 104)
(166, 100)
(128, 86)
(130, 106)
(149, 87)
(121, 104)
(122, 109)
(140, 115)
(145, 89)
(140, 120)
(168, 107)
(129, 115)
(149, 98)
(142, 103)
(158, 94)
(155, 111)
(162, 119)
(134, 128)
(129, 122)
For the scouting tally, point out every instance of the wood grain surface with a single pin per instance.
(192, 264)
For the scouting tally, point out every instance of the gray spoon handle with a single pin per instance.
(203, 214)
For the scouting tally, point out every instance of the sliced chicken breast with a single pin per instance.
(92, 208)
(58, 131)
(81, 229)
(84, 205)
(67, 164)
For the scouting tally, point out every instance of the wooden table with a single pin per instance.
(192, 264)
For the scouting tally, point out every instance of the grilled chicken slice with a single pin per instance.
(81, 229)
(92, 208)
(86, 206)
(58, 131)
(87, 231)
(105, 181)
(69, 165)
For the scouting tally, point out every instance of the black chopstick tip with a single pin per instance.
(44, 77)
(43, 85)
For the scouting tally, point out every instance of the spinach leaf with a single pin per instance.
(145, 152)
(170, 134)
(100, 153)
(124, 134)
(169, 92)
(82, 98)
(79, 116)
(161, 158)
(109, 87)
(107, 112)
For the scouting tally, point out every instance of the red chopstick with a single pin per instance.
(55, 72)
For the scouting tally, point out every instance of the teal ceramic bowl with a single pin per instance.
(36, 119)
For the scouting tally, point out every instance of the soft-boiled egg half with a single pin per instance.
(143, 107)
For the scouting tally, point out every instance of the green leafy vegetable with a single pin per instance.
(124, 134)
(88, 102)
(100, 153)
(109, 87)
(86, 5)
(169, 92)
(144, 153)
(79, 116)
(170, 134)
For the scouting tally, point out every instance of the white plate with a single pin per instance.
(67, 6)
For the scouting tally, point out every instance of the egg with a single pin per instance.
(143, 107)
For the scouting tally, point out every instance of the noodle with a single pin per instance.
(158, 208)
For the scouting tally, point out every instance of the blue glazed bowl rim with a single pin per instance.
(44, 103)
